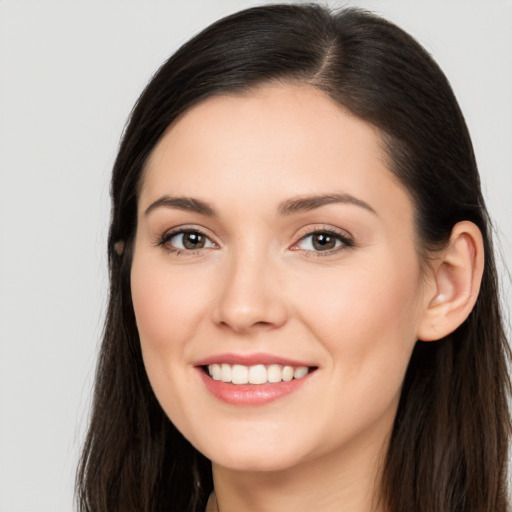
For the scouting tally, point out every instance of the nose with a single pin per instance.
(251, 295)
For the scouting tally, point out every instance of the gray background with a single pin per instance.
(70, 72)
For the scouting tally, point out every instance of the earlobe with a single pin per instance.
(456, 274)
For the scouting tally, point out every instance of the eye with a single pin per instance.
(186, 240)
(326, 241)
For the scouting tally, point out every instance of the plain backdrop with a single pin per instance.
(70, 72)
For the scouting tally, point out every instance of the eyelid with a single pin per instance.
(162, 240)
(344, 236)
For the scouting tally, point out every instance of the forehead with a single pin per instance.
(289, 114)
(274, 141)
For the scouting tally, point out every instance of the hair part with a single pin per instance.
(448, 447)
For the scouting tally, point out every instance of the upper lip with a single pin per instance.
(250, 360)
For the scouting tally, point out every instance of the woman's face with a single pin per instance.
(271, 235)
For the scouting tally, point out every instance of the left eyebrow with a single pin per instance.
(306, 203)
(183, 203)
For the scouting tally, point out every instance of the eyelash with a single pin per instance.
(346, 241)
(166, 237)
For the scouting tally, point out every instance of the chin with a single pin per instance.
(255, 462)
(255, 454)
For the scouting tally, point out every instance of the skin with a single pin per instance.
(258, 285)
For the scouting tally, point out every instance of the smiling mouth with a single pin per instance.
(258, 374)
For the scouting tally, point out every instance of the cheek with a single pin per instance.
(366, 315)
(167, 302)
(169, 305)
(366, 325)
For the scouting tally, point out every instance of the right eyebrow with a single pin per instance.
(304, 204)
(182, 203)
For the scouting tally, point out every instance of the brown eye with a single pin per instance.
(186, 240)
(193, 240)
(323, 241)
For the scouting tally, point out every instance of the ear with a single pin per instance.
(455, 283)
(119, 247)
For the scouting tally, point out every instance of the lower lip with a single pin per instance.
(250, 394)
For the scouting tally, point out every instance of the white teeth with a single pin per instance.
(274, 373)
(225, 373)
(215, 371)
(300, 372)
(287, 373)
(239, 374)
(257, 374)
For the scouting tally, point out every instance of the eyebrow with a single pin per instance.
(289, 207)
(306, 203)
(183, 203)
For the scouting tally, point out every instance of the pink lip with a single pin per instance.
(250, 394)
(250, 360)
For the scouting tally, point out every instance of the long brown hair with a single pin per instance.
(448, 448)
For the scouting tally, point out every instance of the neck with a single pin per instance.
(347, 480)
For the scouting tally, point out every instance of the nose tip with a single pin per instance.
(250, 299)
(243, 319)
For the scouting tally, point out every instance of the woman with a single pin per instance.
(303, 308)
